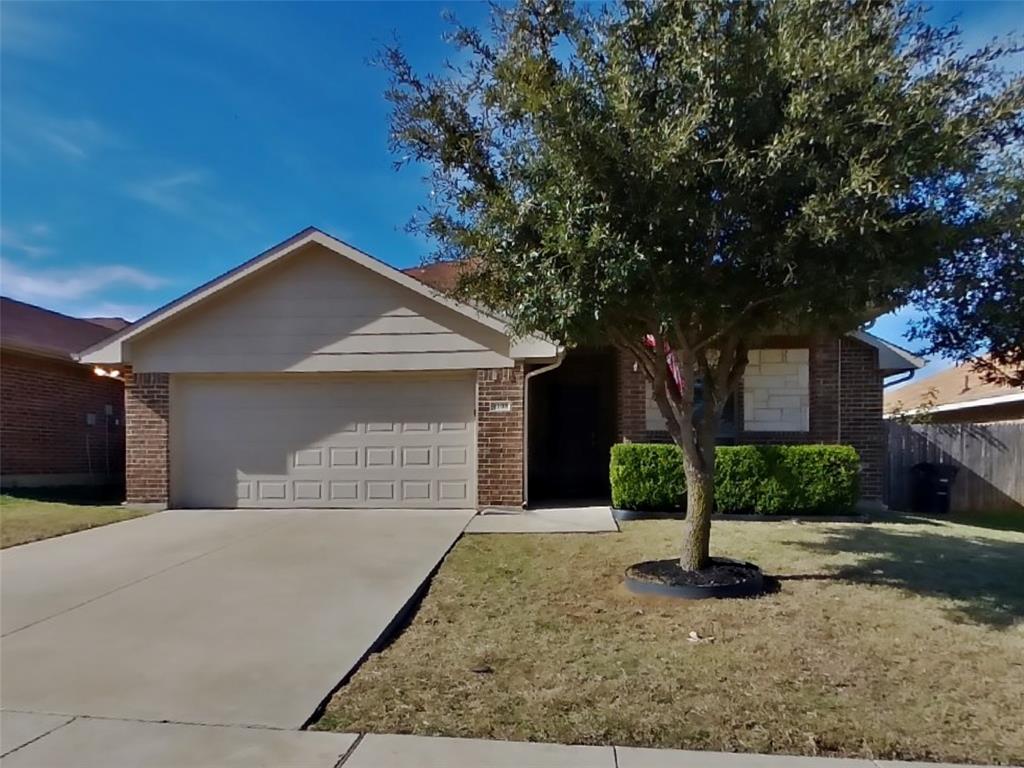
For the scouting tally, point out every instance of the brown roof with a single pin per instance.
(953, 386)
(29, 328)
(441, 275)
(113, 323)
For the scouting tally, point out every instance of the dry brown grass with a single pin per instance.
(886, 640)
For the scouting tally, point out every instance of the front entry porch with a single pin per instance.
(572, 427)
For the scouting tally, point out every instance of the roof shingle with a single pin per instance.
(29, 328)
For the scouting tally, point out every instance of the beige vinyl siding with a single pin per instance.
(317, 312)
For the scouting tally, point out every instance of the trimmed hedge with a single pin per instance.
(752, 479)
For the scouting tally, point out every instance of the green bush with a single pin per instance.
(647, 476)
(757, 479)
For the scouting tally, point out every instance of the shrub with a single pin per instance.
(647, 476)
(758, 479)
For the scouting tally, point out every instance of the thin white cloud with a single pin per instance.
(25, 34)
(26, 243)
(28, 132)
(131, 312)
(71, 284)
(78, 138)
(174, 193)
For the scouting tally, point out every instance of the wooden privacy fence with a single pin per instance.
(989, 457)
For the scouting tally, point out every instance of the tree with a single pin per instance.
(973, 303)
(699, 175)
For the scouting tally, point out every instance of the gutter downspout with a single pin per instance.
(526, 420)
(894, 382)
(839, 394)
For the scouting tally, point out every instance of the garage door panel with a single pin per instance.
(324, 440)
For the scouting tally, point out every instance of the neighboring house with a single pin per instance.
(60, 424)
(956, 395)
(316, 376)
(957, 419)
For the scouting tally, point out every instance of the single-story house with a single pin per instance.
(317, 376)
(956, 395)
(59, 424)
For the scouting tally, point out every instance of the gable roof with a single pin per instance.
(35, 330)
(110, 349)
(955, 388)
(892, 359)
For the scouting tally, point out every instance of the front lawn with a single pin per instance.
(24, 519)
(889, 640)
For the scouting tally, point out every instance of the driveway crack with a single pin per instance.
(349, 751)
(40, 736)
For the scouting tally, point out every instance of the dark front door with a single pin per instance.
(572, 428)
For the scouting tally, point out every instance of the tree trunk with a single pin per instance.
(700, 501)
(694, 432)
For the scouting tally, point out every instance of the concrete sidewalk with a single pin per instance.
(595, 519)
(44, 741)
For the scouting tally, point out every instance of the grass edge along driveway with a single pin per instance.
(24, 520)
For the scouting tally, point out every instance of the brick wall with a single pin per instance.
(631, 404)
(861, 414)
(499, 437)
(45, 408)
(851, 415)
(147, 410)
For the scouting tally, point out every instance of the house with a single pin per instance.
(956, 395)
(316, 376)
(959, 420)
(59, 423)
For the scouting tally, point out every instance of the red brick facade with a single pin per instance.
(147, 413)
(850, 414)
(499, 436)
(59, 423)
(631, 400)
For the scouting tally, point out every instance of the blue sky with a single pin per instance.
(147, 147)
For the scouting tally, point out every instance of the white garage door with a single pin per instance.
(311, 440)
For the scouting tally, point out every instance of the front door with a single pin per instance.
(572, 429)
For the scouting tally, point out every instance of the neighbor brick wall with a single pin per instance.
(852, 416)
(44, 429)
(147, 412)
(499, 437)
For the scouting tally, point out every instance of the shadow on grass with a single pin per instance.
(984, 576)
(995, 521)
(85, 495)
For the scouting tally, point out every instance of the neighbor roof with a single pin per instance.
(110, 350)
(955, 388)
(441, 275)
(113, 323)
(35, 330)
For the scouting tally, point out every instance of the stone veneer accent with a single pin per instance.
(850, 414)
(499, 436)
(147, 411)
(776, 386)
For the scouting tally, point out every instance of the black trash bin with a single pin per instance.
(930, 487)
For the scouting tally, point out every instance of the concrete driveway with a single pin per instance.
(215, 617)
